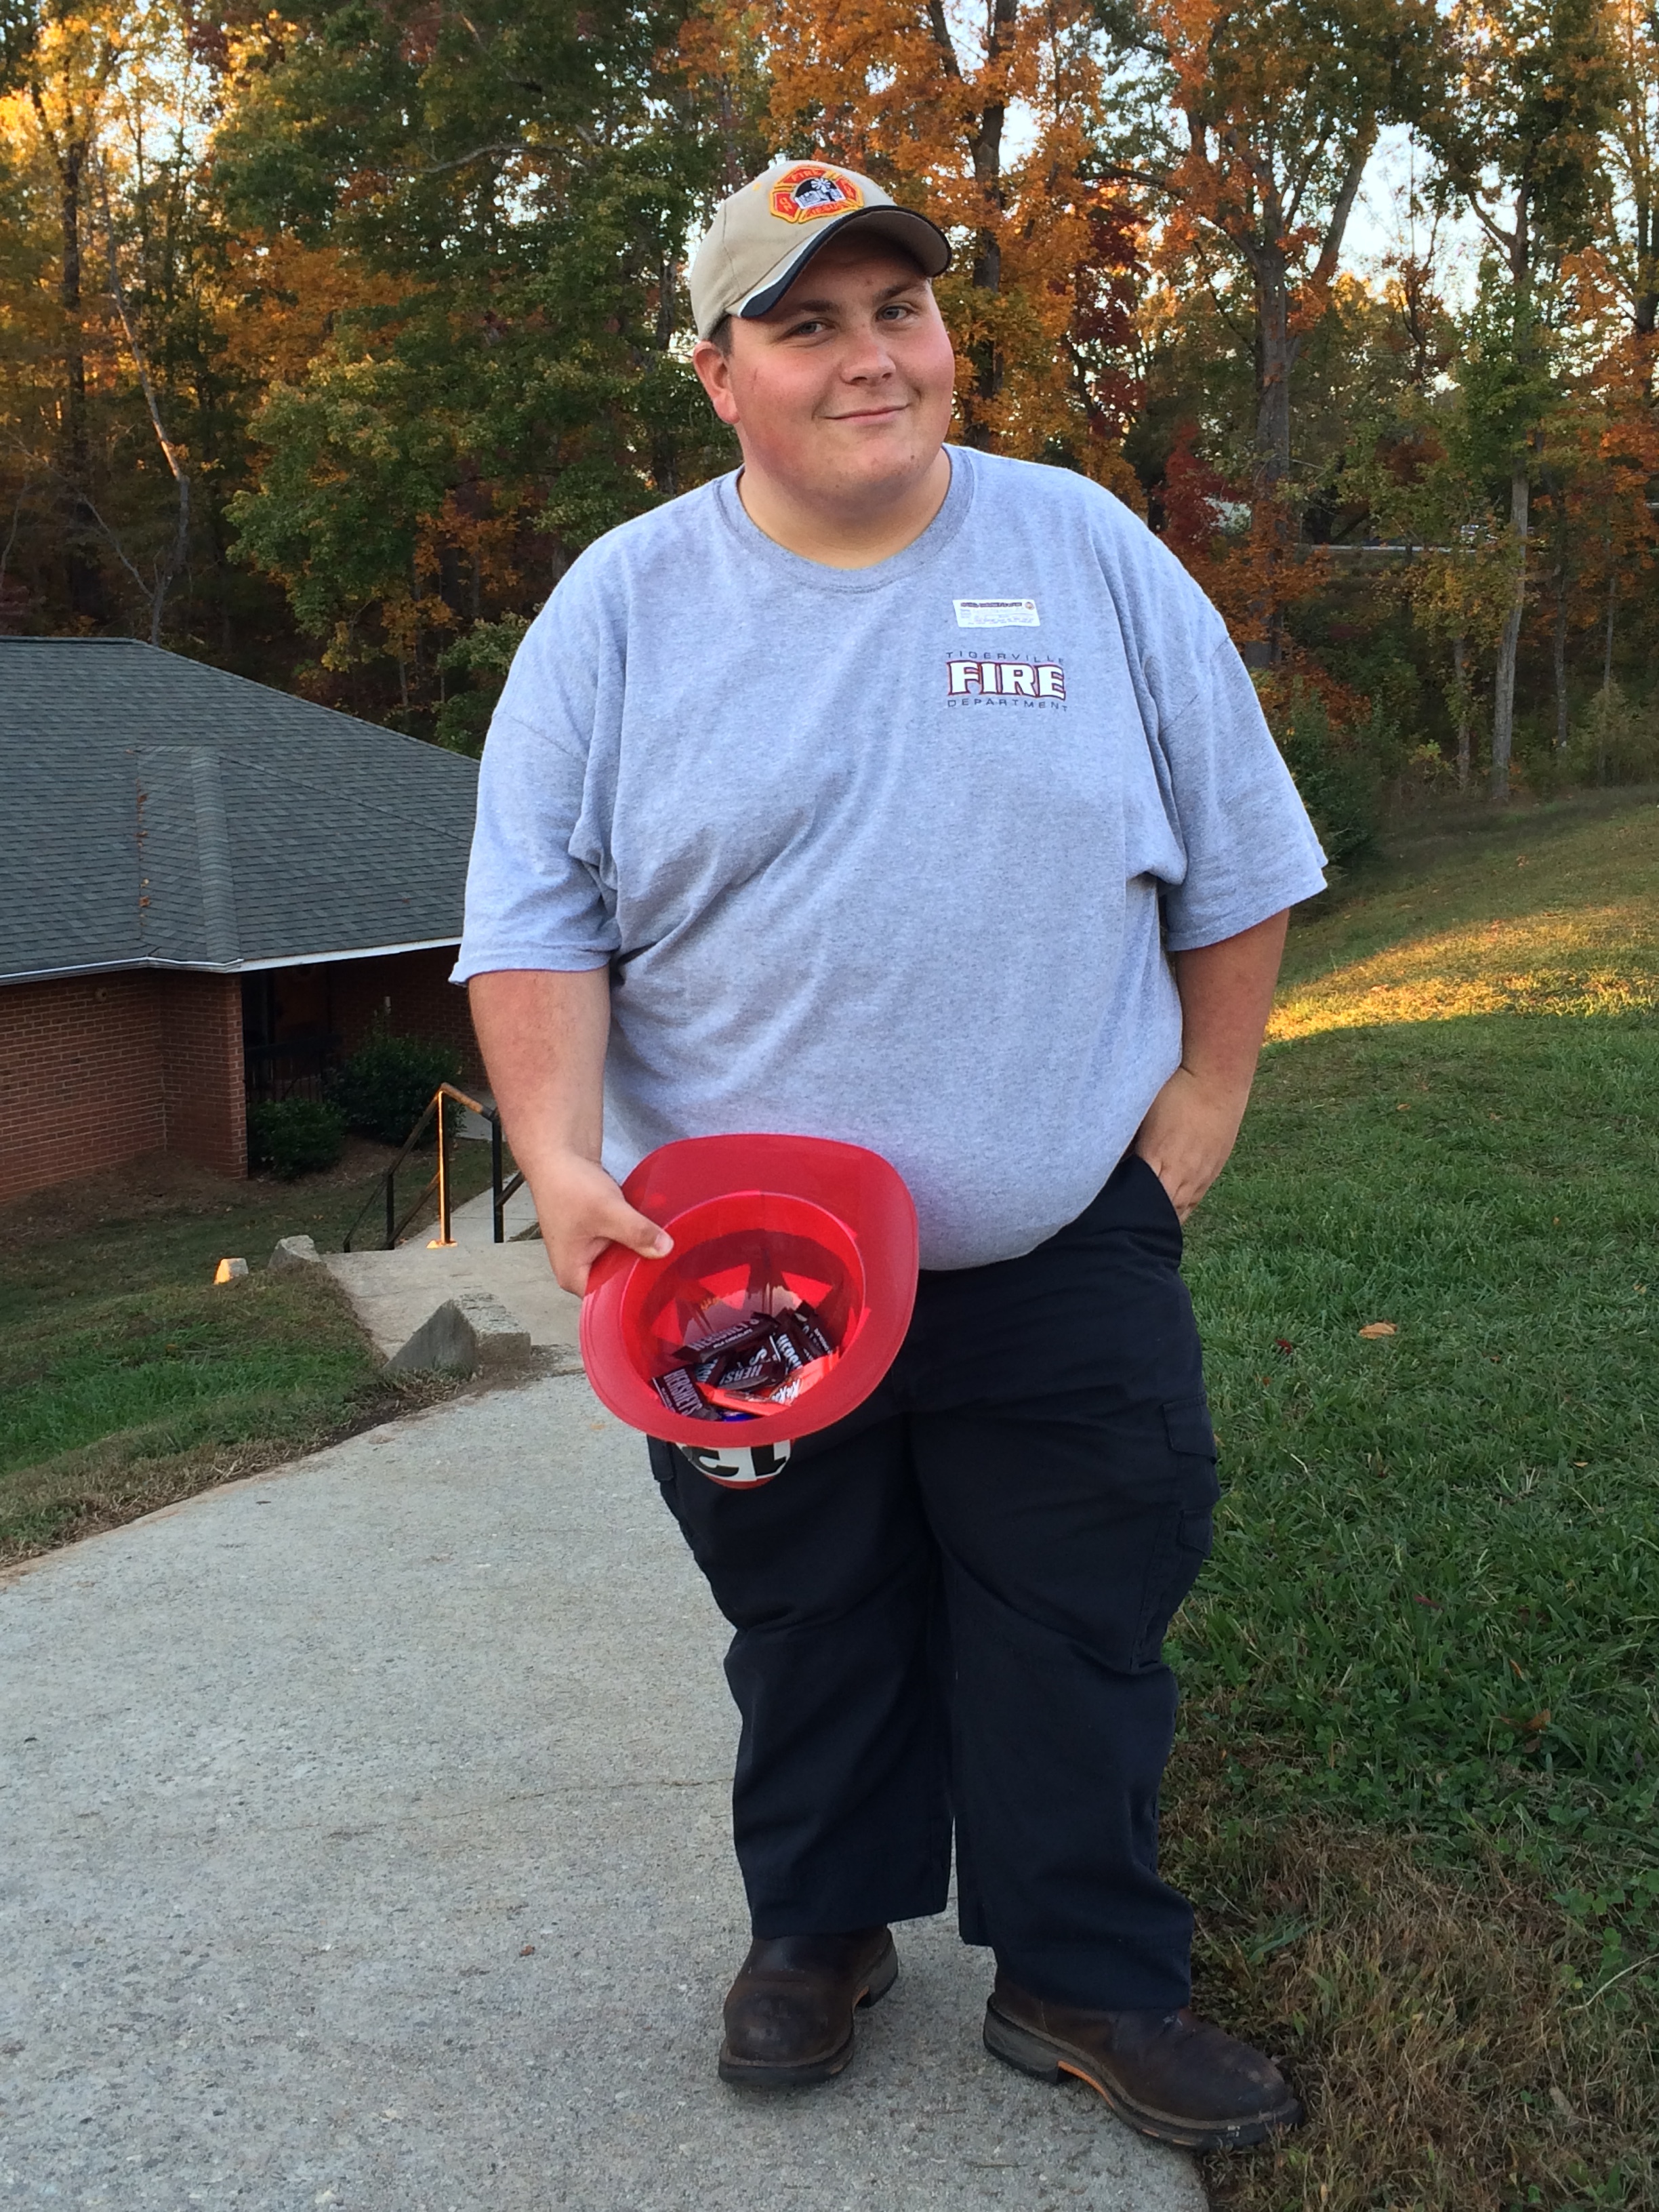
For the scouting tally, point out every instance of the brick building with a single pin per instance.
(213, 890)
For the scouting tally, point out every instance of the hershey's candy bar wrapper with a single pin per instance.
(681, 1395)
(738, 1336)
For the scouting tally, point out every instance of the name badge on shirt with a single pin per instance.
(996, 614)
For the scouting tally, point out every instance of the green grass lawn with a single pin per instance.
(1417, 1793)
(128, 1381)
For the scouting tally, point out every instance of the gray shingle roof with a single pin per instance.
(160, 811)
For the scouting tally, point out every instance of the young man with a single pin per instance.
(897, 794)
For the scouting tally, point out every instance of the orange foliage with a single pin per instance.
(889, 87)
(287, 299)
(1238, 548)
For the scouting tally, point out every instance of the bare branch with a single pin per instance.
(11, 537)
(119, 550)
(165, 571)
(942, 39)
(170, 451)
(1116, 173)
(1325, 268)
(478, 154)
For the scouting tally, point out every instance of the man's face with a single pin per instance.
(845, 387)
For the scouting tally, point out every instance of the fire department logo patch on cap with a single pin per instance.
(809, 191)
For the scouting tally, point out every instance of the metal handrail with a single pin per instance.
(502, 1192)
(439, 1181)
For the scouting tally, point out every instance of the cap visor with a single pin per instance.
(923, 240)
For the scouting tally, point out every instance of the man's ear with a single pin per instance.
(714, 370)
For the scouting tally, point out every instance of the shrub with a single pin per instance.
(1337, 776)
(295, 1136)
(384, 1088)
(1617, 741)
(485, 654)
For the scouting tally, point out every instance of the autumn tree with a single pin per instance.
(501, 195)
(121, 433)
(1519, 143)
(1628, 231)
(1596, 454)
(928, 100)
(1278, 111)
(63, 60)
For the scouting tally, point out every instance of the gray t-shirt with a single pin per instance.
(889, 854)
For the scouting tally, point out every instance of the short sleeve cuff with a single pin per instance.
(1190, 931)
(549, 959)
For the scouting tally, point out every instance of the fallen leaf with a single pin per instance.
(1283, 1344)
(1379, 1329)
(528, 1952)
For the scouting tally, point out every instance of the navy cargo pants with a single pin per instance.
(950, 1609)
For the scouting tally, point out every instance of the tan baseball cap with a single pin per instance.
(763, 236)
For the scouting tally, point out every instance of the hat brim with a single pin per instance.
(923, 240)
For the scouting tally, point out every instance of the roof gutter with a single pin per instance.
(228, 968)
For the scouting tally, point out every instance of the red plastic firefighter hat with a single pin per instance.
(781, 1306)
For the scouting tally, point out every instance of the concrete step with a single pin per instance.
(474, 1223)
(396, 1294)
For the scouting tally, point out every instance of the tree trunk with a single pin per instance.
(986, 149)
(1502, 718)
(1275, 357)
(1645, 308)
(664, 455)
(1465, 708)
(1276, 350)
(986, 354)
(83, 577)
(174, 566)
(1606, 637)
(1558, 658)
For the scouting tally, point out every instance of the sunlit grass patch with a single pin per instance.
(1535, 918)
(1592, 962)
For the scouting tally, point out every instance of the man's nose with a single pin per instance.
(867, 356)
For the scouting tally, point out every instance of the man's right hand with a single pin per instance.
(581, 1211)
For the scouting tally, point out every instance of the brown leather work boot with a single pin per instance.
(789, 2013)
(1178, 2079)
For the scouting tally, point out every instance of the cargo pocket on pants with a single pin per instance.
(1189, 1529)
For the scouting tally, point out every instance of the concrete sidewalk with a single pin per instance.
(364, 1843)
